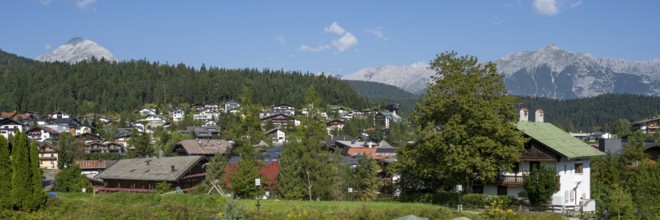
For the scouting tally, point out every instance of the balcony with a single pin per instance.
(509, 180)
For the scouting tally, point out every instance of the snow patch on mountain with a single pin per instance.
(78, 49)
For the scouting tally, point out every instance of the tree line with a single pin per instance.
(598, 113)
(104, 87)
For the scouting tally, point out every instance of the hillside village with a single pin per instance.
(99, 141)
(104, 152)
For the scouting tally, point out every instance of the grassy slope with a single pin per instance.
(201, 206)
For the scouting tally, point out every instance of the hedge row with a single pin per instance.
(450, 199)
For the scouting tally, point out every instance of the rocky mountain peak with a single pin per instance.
(77, 49)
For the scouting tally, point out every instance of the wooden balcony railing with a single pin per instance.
(508, 180)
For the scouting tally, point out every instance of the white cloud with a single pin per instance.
(334, 28)
(341, 44)
(306, 48)
(377, 32)
(84, 3)
(345, 42)
(553, 7)
(574, 4)
(47, 47)
(280, 39)
(45, 2)
(546, 7)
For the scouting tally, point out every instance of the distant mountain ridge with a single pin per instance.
(550, 72)
(78, 49)
(411, 78)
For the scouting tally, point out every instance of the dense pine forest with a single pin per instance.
(384, 94)
(99, 86)
(595, 113)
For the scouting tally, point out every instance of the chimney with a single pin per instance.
(524, 114)
(539, 115)
(172, 168)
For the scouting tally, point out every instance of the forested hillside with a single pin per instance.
(100, 86)
(382, 94)
(595, 113)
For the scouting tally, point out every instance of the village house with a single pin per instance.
(335, 125)
(147, 111)
(648, 126)
(42, 133)
(91, 168)
(202, 147)
(143, 174)
(285, 109)
(107, 147)
(232, 107)
(615, 147)
(177, 115)
(550, 146)
(280, 121)
(48, 156)
(206, 115)
(9, 127)
(276, 135)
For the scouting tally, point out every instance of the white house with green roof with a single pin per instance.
(548, 145)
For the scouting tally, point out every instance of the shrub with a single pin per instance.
(163, 187)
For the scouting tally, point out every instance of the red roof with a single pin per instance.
(267, 173)
(370, 152)
(92, 164)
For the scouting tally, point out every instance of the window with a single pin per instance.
(501, 190)
(578, 168)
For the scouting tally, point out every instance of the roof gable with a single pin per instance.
(557, 140)
(154, 170)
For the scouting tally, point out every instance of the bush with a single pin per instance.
(483, 200)
(163, 187)
(449, 199)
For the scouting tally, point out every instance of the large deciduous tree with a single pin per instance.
(466, 123)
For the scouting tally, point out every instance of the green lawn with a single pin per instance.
(201, 206)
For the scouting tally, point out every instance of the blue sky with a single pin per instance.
(338, 37)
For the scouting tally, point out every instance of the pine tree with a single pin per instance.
(242, 179)
(65, 145)
(364, 180)
(216, 170)
(21, 182)
(292, 185)
(38, 197)
(5, 175)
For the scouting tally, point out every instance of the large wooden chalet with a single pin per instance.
(142, 174)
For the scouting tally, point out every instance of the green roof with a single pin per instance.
(558, 140)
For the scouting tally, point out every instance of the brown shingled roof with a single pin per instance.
(205, 147)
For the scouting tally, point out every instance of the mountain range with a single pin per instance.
(550, 72)
(77, 49)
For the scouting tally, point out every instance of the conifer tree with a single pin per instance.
(21, 184)
(65, 145)
(38, 197)
(242, 179)
(364, 180)
(5, 175)
(292, 186)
